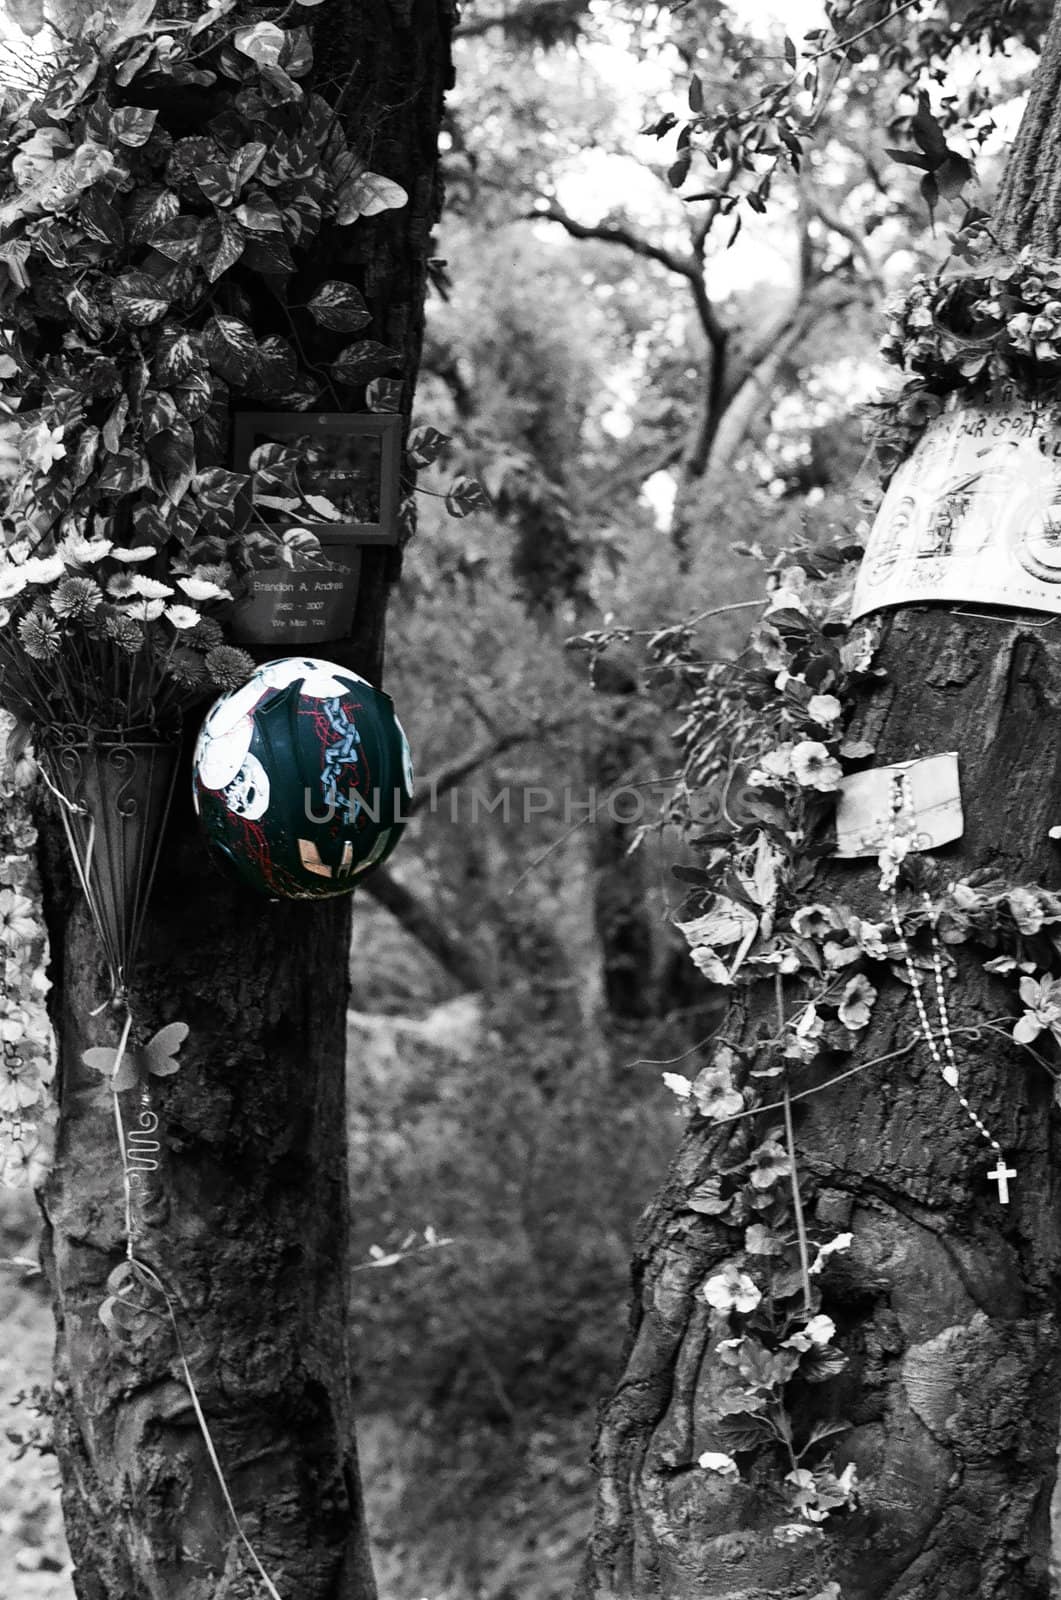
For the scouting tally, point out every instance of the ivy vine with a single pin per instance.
(764, 755)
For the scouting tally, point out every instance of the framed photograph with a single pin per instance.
(347, 461)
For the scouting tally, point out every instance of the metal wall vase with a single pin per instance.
(117, 798)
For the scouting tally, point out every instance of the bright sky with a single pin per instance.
(605, 182)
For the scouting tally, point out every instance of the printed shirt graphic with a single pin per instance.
(974, 514)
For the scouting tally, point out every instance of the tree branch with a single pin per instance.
(614, 233)
(835, 223)
(688, 267)
(454, 955)
(448, 777)
(550, 17)
(703, 225)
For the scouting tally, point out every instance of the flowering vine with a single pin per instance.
(28, 1113)
(765, 754)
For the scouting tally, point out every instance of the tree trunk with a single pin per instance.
(947, 1304)
(246, 1217)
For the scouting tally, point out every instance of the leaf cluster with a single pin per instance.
(165, 175)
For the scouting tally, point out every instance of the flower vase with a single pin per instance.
(114, 798)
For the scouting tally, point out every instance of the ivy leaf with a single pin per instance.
(69, 86)
(180, 240)
(465, 496)
(218, 184)
(86, 311)
(339, 306)
(363, 360)
(425, 446)
(174, 451)
(298, 53)
(323, 508)
(176, 355)
(276, 368)
(100, 220)
(115, 423)
(231, 348)
(159, 413)
(281, 88)
(128, 69)
(213, 13)
(384, 394)
(223, 244)
(133, 125)
(85, 459)
(139, 299)
(268, 253)
(260, 215)
(217, 489)
(194, 394)
(187, 158)
(263, 43)
(132, 20)
(149, 211)
(246, 161)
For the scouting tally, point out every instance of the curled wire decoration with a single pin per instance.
(117, 796)
(142, 1151)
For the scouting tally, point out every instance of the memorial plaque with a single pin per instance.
(973, 515)
(306, 606)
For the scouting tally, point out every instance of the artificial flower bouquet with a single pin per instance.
(95, 643)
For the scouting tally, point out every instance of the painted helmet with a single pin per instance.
(302, 778)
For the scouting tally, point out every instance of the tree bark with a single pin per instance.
(246, 1219)
(948, 1303)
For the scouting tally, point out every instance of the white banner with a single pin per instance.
(974, 514)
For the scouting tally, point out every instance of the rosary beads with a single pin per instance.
(946, 1062)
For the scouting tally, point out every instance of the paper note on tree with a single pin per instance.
(864, 814)
(973, 515)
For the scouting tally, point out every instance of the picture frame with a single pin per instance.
(360, 470)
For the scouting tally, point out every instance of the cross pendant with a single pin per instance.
(1000, 1175)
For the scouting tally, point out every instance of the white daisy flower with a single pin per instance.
(44, 569)
(182, 616)
(138, 552)
(200, 589)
